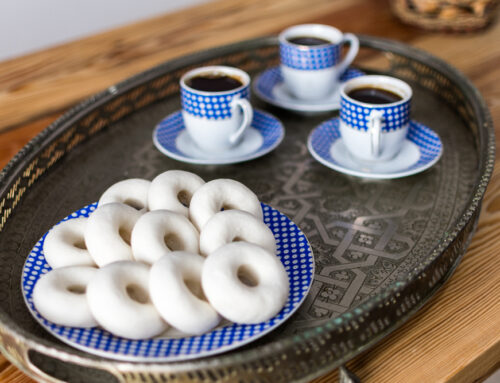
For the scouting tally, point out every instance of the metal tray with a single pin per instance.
(382, 248)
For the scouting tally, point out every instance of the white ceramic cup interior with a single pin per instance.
(242, 76)
(326, 32)
(391, 84)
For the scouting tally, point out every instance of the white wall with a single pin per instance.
(30, 25)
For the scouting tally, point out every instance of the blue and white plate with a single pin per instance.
(421, 149)
(293, 250)
(270, 87)
(171, 138)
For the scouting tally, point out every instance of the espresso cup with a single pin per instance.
(374, 116)
(312, 72)
(216, 113)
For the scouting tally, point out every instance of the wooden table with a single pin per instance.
(456, 336)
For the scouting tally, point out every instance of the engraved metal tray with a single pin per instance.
(382, 248)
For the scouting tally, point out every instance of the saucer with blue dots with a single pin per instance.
(271, 88)
(421, 150)
(172, 139)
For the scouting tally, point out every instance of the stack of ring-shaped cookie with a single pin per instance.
(146, 238)
(118, 297)
(173, 190)
(65, 245)
(162, 231)
(222, 194)
(232, 226)
(132, 192)
(245, 283)
(175, 287)
(60, 296)
(108, 233)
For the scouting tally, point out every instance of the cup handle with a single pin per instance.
(247, 110)
(351, 54)
(375, 130)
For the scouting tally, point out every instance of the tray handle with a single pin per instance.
(18, 352)
(36, 373)
(69, 360)
(347, 376)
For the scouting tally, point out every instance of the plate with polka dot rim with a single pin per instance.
(294, 252)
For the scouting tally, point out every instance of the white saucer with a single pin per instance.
(422, 149)
(269, 86)
(171, 138)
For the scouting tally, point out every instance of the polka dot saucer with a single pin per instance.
(270, 87)
(294, 252)
(421, 150)
(171, 138)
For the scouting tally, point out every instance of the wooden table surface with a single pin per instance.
(456, 336)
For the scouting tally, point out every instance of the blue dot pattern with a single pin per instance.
(169, 128)
(167, 131)
(271, 77)
(356, 116)
(293, 250)
(428, 142)
(310, 58)
(212, 106)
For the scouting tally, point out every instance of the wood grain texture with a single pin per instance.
(54, 79)
(456, 336)
(10, 374)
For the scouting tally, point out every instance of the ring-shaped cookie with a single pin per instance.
(119, 299)
(132, 192)
(245, 283)
(232, 226)
(162, 231)
(222, 194)
(173, 190)
(175, 288)
(65, 245)
(60, 296)
(108, 233)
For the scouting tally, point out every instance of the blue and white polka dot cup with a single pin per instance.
(312, 72)
(216, 120)
(375, 132)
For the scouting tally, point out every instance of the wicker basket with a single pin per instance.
(446, 15)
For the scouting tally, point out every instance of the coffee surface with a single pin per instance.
(214, 82)
(372, 95)
(308, 40)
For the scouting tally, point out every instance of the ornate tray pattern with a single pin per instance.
(382, 248)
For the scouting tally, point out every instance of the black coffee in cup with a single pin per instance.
(373, 95)
(308, 40)
(214, 82)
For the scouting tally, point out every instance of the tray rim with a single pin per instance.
(486, 154)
